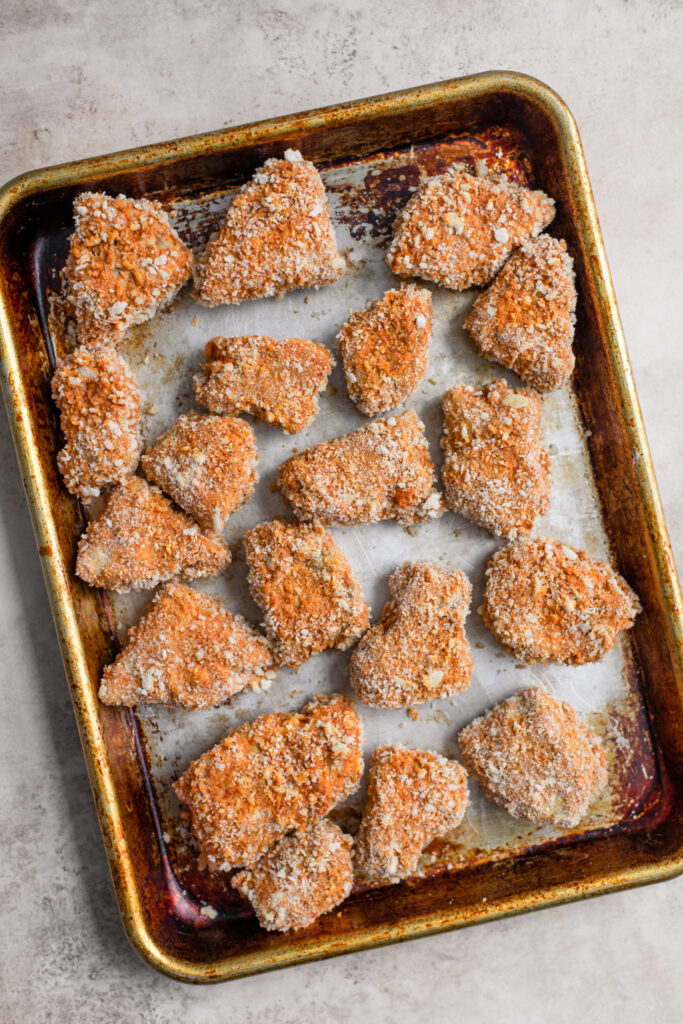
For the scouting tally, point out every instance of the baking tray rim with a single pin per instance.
(57, 582)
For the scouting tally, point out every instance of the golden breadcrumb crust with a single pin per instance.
(187, 651)
(531, 756)
(385, 348)
(277, 236)
(100, 410)
(413, 797)
(278, 773)
(418, 650)
(544, 601)
(139, 540)
(525, 319)
(496, 471)
(206, 464)
(304, 875)
(381, 471)
(304, 585)
(275, 381)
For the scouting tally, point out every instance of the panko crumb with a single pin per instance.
(304, 875)
(525, 319)
(139, 540)
(275, 381)
(100, 410)
(125, 263)
(544, 601)
(187, 651)
(458, 229)
(381, 471)
(531, 756)
(418, 650)
(206, 464)
(413, 797)
(496, 471)
(304, 585)
(385, 348)
(277, 236)
(278, 773)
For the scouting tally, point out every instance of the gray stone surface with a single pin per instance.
(81, 78)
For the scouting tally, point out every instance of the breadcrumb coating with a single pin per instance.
(531, 756)
(304, 585)
(458, 229)
(525, 319)
(277, 236)
(187, 651)
(496, 471)
(304, 875)
(381, 471)
(385, 348)
(100, 410)
(418, 650)
(544, 601)
(278, 773)
(206, 464)
(139, 540)
(275, 381)
(413, 797)
(125, 263)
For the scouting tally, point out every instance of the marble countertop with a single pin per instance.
(81, 78)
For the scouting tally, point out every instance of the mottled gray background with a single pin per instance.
(80, 78)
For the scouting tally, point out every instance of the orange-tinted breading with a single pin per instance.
(385, 348)
(278, 773)
(277, 236)
(381, 471)
(304, 875)
(305, 587)
(413, 797)
(531, 756)
(206, 464)
(545, 601)
(187, 651)
(525, 319)
(125, 263)
(496, 471)
(275, 381)
(458, 230)
(418, 650)
(100, 409)
(139, 540)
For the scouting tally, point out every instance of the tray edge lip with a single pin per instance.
(23, 186)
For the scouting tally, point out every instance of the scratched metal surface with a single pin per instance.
(165, 353)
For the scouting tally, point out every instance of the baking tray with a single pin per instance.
(181, 919)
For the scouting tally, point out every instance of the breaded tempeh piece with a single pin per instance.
(100, 409)
(385, 348)
(413, 797)
(525, 319)
(278, 773)
(496, 471)
(304, 875)
(545, 601)
(418, 650)
(187, 651)
(275, 381)
(458, 230)
(139, 541)
(277, 236)
(381, 471)
(125, 263)
(206, 464)
(304, 585)
(531, 756)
